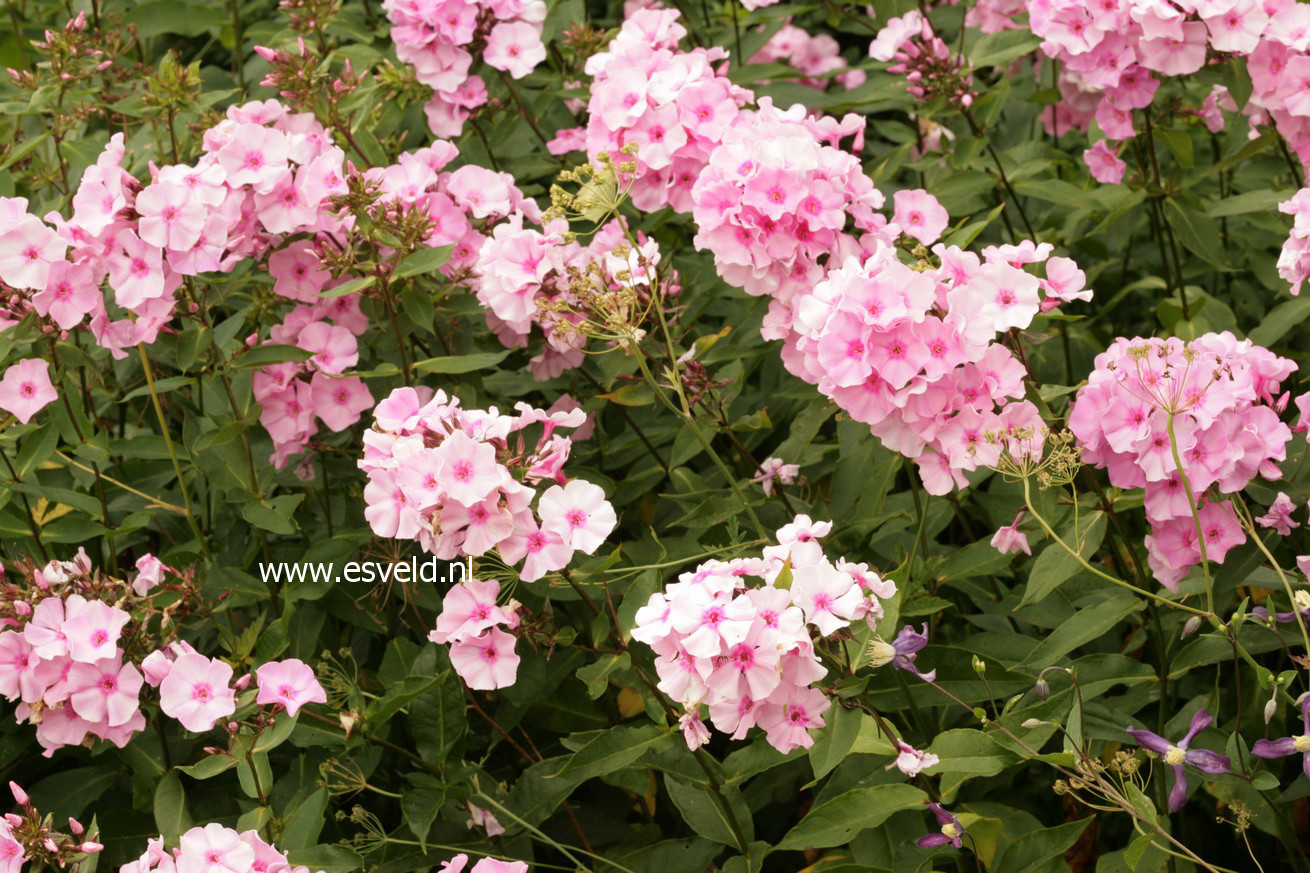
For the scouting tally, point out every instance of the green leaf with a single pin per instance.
(267, 355)
(1030, 852)
(209, 767)
(423, 261)
(632, 394)
(834, 742)
(704, 814)
(998, 49)
(437, 719)
(456, 364)
(302, 827)
(1197, 232)
(420, 803)
(345, 289)
(274, 513)
(840, 819)
(1055, 566)
(171, 815)
(1084, 626)
(1280, 320)
(328, 858)
(612, 750)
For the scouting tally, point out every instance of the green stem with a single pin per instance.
(1196, 515)
(172, 453)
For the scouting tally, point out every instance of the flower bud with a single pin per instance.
(20, 796)
(1042, 689)
(1032, 723)
(75, 826)
(90, 848)
(1192, 626)
(243, 683)
(1271, 707)
(979, 666)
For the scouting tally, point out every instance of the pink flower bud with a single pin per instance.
(21, 608)
(243, 683)
(20, 796)
(75, 826)
(90, 848)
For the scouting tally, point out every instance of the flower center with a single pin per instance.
(1174, 756)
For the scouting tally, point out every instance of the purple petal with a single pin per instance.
(1305, 765)
(933, 840)
(1200, 722)
(943, 817)
(1148, 740)
(1178, 794)
(1209, 762)
(909, 641)
(1274, 748)
(1305, 713)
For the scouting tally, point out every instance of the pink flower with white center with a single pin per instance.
(543, 552)
(290, 683)
(93, 631)
(106, 691)
(196, 692)
(486, 662)
(334, 348)
(469, 469)
(171, 216)
(514, 47)
(27, 250)
(828, 597)
(254, 155)
(69, 295)
(26, 389)
(468, 610)
(213, 849)
(911, 761)
(136, 270)
(919, 215)
(298, 273)
(483, 525)
(579, 513)
(788, 721)
(339, 402)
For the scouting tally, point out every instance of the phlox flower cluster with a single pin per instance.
(456, 207)
(61, 658)
(672, 104)
(776, 199)
(437, 37)
(263, 173)
(462, 482)
(1221, 396)
(482, 654)
(913, 353)
(527, 277)
(1111, 53)
(213, 847)
(932, 71)
(746, 650)
(1294, 260)
(817, 58)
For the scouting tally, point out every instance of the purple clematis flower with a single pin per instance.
(1289, 745)
(1178, 755)
(951, 829)
(902, 651)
